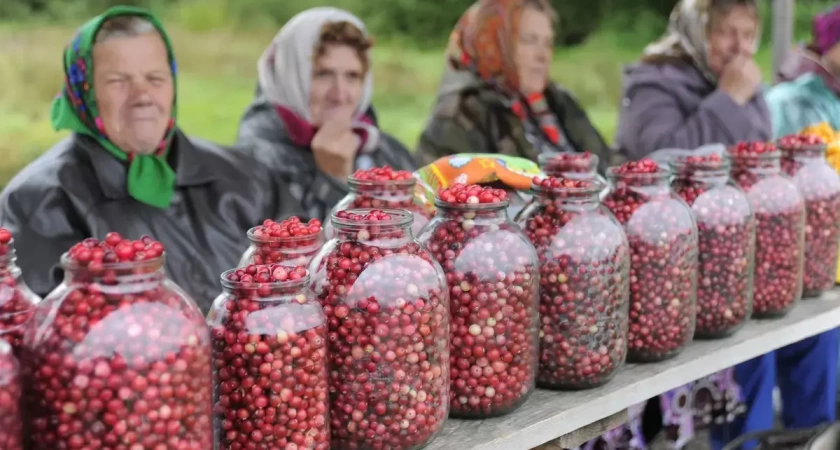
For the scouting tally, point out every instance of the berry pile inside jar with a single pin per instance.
(780, 221)
(584, 283)
(269, 345)
(11, 427)
(17, 302)
(380, 188)
(569, 165)
(803, 160)
(493, 277)
(118, 359)
(388, 317)
(663, 259)
(290, 241)
(726, 228)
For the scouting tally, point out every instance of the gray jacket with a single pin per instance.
(668, 106)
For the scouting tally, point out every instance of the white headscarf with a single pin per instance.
(285, 67)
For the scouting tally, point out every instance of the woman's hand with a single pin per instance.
(334, 147)
(740, 79)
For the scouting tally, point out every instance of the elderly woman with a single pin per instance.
(128, 168)
(311, 120)
(496, 95)
(700, 85)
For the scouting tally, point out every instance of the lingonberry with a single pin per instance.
(584, 283)
(387, 312)
(493, 277)
(17, 301)
(663, 259)
(11, 429)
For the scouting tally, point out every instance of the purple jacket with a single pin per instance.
(674, 106)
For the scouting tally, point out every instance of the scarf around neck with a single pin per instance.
(150, 179)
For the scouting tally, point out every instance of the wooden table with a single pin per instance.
(571, 418)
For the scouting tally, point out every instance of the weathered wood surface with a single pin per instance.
(548, 415)
(591, 431)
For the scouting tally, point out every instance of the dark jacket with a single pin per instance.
(78, 190)
(263, 135)
(473, 117)
(674, 106)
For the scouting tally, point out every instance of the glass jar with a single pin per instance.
(577, 166)
(117, 355)
(780, 227)
(663, 259)
(11, 427)
(388, 315)
(381, 194)
(290, 242)
(803, 160)
(270, 357)
(17, 301)
(726, 228)
(584, 283)
(493, 277)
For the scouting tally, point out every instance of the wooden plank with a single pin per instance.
(782, 32)
(591, 431)
(548, 415)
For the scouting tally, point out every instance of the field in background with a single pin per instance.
(218, 75)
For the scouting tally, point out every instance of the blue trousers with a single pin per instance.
(806, 374)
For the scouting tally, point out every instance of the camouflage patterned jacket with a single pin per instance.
(263, 134)
(476, 118)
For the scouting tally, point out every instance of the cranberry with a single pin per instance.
(663, 259)
(388, 316)
(579, 166)
(493, 279)
(117, 357)
(270, 357)
(726, 243)
(803, 160)
(584, 283)
(383, 187)
(290, 242)
(11, 433)
(17, 302)
(780, 222)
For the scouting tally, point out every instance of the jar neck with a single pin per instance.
(139, 273)
(388, 188)
(806, 153)
(10, 273)
(484, 212)
(287, 242)
(279, 292)
(396, 229)
(568, 196)
(647, 183)
(717, 175)
(764, 165)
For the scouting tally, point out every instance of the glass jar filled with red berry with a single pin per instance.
(726, 228)
(803, 160)
(493, 276)
(117, 356)
(663, 259)
(380, 188)
(387, 308)
(577, 166)
(270, 359)
(291, 242)
(17, 301)
(584, 283)
(779, 210)
(11, 425)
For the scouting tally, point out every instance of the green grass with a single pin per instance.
(218, 75)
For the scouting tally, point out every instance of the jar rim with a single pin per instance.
(68, 264)
(11, 255)
(547, 158)
(399, 218)
(775, 154)
(307, 237)
(593, 189)
(354, 182)
(661, 174)
(229, 284)
(681, 162)
(478, 207)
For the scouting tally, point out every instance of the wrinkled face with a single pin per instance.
(337, 83)
(731, 34)
(134, 91)
(534, 48)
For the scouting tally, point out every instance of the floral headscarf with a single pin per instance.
(687, 36)
(150, 180)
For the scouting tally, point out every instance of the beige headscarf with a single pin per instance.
(686, 35)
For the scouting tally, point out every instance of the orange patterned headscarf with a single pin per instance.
(484, 40)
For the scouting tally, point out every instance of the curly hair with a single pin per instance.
(344, 33)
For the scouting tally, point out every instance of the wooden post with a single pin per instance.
(782, 33)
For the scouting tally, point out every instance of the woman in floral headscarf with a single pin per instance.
(496, 95)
